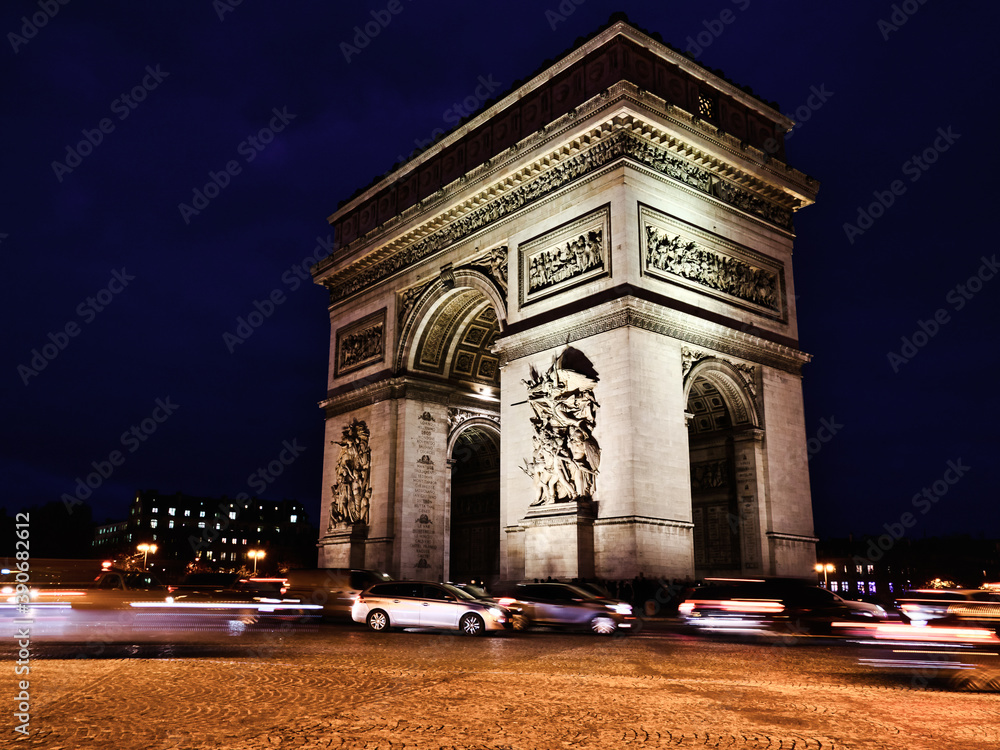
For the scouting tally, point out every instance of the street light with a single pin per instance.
(825, 570)
(145, 549)
(255, 555)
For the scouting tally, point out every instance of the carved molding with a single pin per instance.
(747, 381)
(493, 263)
(748, 372)
(457, 417)
(630, 311)
(616, 143)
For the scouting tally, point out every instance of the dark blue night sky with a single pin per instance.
(169, 167)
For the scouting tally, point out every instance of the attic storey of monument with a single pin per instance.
(568, 329)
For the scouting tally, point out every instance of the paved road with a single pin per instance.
(339, 687)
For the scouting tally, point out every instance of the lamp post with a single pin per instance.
(255, 555)
(825, 570)
(145, 549)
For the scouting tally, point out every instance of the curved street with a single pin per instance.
(344, 687)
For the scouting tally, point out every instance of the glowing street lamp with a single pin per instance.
(145, 549)
(825, 570)
(255, 555)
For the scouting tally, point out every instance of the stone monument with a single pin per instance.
(564, 339)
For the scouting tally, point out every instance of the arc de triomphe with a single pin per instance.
(564, 340)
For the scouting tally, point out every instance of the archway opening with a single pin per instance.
(715, 510)
(475, 507)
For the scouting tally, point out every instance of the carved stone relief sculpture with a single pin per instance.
(565, 457)
(361, 344)
(692, 261)
(566, 256)
(352, 492)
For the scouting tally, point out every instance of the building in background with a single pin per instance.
(217, 532)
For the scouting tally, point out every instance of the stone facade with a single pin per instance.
(582, 298)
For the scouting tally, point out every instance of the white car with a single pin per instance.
(423, 604)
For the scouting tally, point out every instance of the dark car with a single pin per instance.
(776, 605)
(565, 605)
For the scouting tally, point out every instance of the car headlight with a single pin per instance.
(620, 608)
(497, 613)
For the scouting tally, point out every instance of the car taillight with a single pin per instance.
(686, 608)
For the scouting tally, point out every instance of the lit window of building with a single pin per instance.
(172, 511)
(171, 524)
(871, 587)
(154, 510)
(152, 524)
(232, 515)
(201, 514)
(187, 513)
(834, 586)
(294, 518)
(201, 524)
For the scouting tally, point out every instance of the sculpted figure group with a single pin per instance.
(565, 456)
(352, 493)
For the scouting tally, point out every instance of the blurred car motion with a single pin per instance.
(771, 605)
(424, 604)
(973, 607)
(969, 657)
(564, 605)
(122, 605)
(333, 589)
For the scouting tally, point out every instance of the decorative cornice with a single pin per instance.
(645, 521)
(622, 137)
(350, 398)
(792, 538)
(631, 311)
(747, 372)
(457, 417)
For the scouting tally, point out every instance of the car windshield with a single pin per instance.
(458, 593)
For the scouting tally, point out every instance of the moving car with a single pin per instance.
(424, 604)
(979, 607)
(779, 605)
(565, 605)
(334, 589)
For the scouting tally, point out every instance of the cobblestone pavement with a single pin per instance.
(345, 688)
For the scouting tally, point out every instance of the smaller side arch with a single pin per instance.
(732, 385)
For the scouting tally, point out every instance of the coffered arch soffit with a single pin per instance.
(731, 385)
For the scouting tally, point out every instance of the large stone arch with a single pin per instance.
(417, 305)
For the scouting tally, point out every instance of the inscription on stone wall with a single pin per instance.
(423, 535)
(746, 482)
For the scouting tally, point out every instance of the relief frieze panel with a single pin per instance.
(571, 254)
(621, 143)
(360, 344)
(677, 252)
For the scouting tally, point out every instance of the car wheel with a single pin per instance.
(378, 620)
(520, 622)
(471, 624)
(603, 625)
